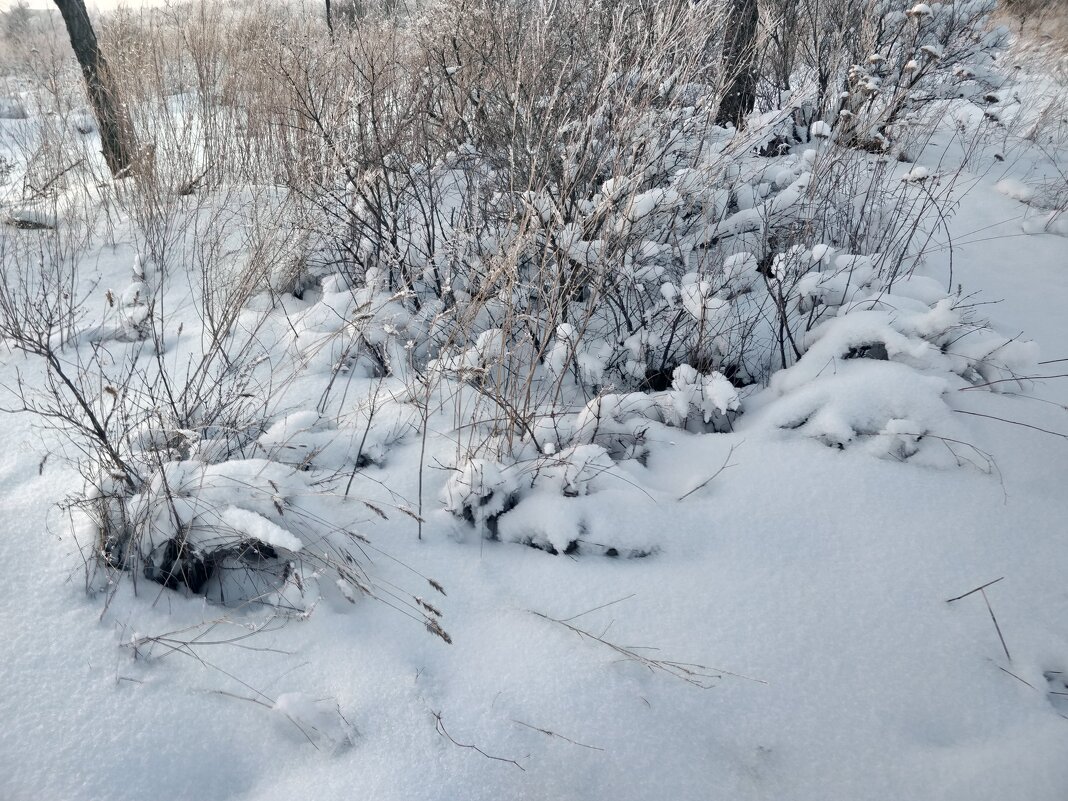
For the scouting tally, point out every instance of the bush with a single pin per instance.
(527, 219)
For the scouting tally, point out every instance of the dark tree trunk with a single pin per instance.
(739, 63)
(329, 20)
(114, 135)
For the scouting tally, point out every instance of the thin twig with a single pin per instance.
(597, 608)
(695, 674)
(1014, 422)
(1001, 637)
(711, 478)
(1029, 684)
(548, 733)
(977, 589)
(243, 698)
(1016, 379)
(440, 726)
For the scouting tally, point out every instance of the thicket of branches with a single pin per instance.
(526, 212)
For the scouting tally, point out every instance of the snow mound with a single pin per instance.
(888, 408)
(30, 217)
(1053, 223)
(557, 502)
(1017, 190)
(259, 528)
(880, 374)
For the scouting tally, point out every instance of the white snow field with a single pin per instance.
(707, 591)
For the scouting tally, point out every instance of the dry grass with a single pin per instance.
(1041, 34)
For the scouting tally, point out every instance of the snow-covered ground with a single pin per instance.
(787, 636)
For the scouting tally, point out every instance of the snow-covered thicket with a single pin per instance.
(515, 234)
(477, 298)
(578, 247)
(877, 74)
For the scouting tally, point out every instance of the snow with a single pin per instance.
(800, 540)
(30, 217)
(1055, 222)
(1017, 190)
(820, 129)
(260, 528)
(916, 174)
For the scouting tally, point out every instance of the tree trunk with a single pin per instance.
(739, 63)
(114, 135)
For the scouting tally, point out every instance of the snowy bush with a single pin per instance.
(520, 232)
(192, 481)
(547, 501)
(880, 371)
(479, 492)
(876, 82)
(916, 55)
(547, 230)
